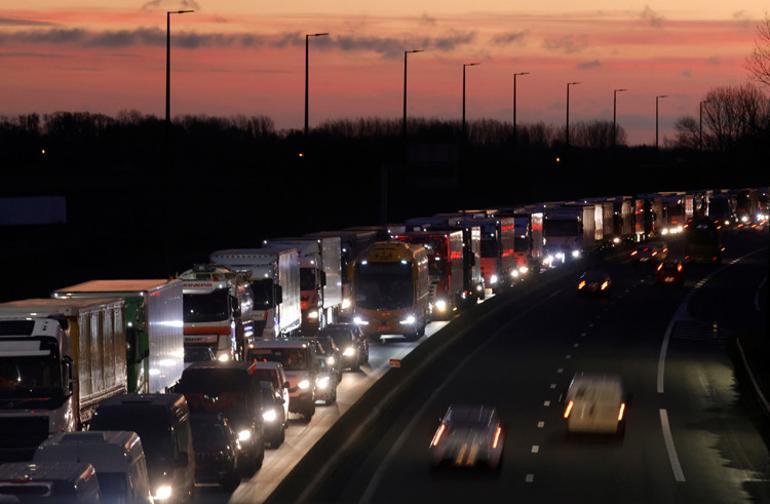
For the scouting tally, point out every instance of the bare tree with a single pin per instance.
(687, 133)
(732, 113)
(759, 60)
(595, 134)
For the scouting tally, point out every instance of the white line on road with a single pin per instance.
(553, 386)
(560, 370)
(583, 334)
(756, 295)
(529, 478)
(540, 424)
(576, 345)
(668, 439)
(546, 403)
(535, 448)
(568, 356)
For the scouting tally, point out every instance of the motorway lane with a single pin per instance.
(300, 437)
(529, 361)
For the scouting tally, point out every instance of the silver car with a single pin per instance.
(468, 436)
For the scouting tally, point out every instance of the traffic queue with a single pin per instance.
(138, 390)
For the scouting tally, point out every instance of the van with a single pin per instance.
(273, 372)
(117, 456)
(596, 404)
(54, 482)
(162, 421)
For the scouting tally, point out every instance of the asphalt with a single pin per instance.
(702, 438)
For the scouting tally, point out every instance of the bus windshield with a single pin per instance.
(384, 285)
(211, 307)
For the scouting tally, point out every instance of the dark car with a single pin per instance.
(594, 282)
(273, 413)
(351, 342)
(230, 388)
(670, 272)
(217, 450)
(326, 382)
(332, 352)
(198, 354)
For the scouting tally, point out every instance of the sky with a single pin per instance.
(239, 57)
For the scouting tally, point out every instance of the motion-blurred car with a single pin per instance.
(670, 272)
(326, 382)
(468, 436)
(352, 343)
(650, 251)
(595, 404)
(217, 450)
(594, 282)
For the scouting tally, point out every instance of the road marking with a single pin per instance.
(576, 345)
(756, 295)
(553, 386)
(560, 396)
(583, 334)
(560, 370)
(668, 439)
(540, 424)
(535, 448)
(529, 478)
(568, 356)
(546, 403)
(591, 325)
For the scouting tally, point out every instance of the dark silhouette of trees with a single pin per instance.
(759, 60)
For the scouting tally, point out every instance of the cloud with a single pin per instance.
(27, 54)
(384, 46)
(567, 44)
(653, 18)
(171, 4)
(427, 20)
(588, 65)
(743, 19)
(4, 21)
(687, 73)
(508, 38)
(713, 61)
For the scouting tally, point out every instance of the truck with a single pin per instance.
(702, 241)
(445, 268)
(218, 310)
(59, 359)
(320, 279)
(563, 234)
(154, 328)
(275, 280)
(391, 290)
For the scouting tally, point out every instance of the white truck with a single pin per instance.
(274, 283)
(320, 278)
(218, 310)
(59, 359)
(155, 330)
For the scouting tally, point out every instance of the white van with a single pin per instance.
(117, 456)
(595, 404)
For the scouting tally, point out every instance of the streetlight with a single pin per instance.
(168, 62)
(307, 73)
(615, 114)
(569, 84)
(515, 133)
(407, 53)
(700, 123)
(657, 115)
(465, 65)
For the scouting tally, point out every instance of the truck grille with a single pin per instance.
(20, 436)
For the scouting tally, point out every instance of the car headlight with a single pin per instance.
(582, 284)
(244, 435)
(359, 321)
(223, 357)
(313, 315)
(330, 360)
(269, 415)
(441, 305)
(304, 384)
(605, 284)
(515, 273)
(163, 492)
(616, 240)
(322, 382)
(727, 223)
(523, 270)
(744, 218)
(346, 303)
(664, 231)
(349, 351)
(576, 254)
(479, 288)
(560, 256)
(493, 279)
(410, 320)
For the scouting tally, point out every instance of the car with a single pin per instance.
(217, 450)
(594, 282)
(354, 346)
(274, 415)
(273, 372)
(198, 354)
(649, 252)
(332, 351)
(467, 436)
(596, 403)
(670, 272)
(297, 355)
(326, 382)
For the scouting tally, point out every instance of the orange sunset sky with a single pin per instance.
(247, 57)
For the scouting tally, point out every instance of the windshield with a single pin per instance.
(211, 307)
(147, 422)
(307, 279)
(263, 293)
(293, 359)
(31, 376)
(340, 337)
(561, 227)
(384, 285)
(198, 354)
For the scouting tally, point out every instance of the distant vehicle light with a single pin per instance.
(438, 434)
(441, 305)
(616, 240)
(496, 441)
(727, 223)
(582, 284)
(313, 315)
(679, 268)
(622, 410)
(330, 360)
(605, 284)
(515, 274)
(664, 231)
(523, 270)
(322, 382)
(304, 384)
(223, 357)
(493, 279)
(359, 321)
(410, 320)
(349, 351)
(744, 218)
(568, 410)
(346, 303)
(660, 266)
(635, 252)
(163, 493)
(269, 416)
(576, 254)
(244, 435)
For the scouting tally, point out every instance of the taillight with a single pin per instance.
(605, 285)
(498, 431)
(567, 411)
(660, 267)
(438, 434)
(634, 253)
(622, 411)
(679, 268)
(582, 284)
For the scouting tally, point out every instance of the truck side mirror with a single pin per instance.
(67, 372)
(278, 294)
(323, 279)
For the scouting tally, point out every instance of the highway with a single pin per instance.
(695, 432)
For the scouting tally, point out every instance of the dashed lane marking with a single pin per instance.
(540, 424)
(546, 403)
(535, 448)
(529, 478)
